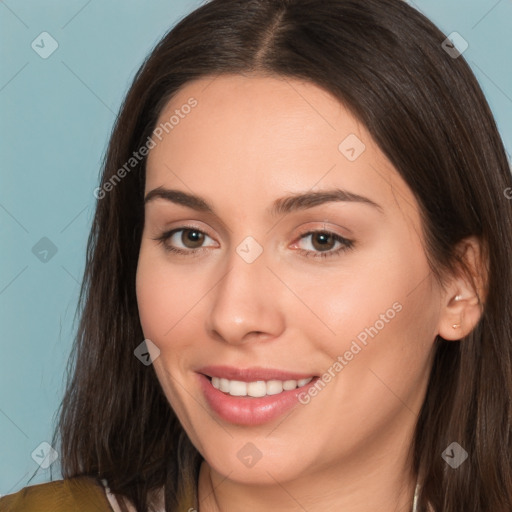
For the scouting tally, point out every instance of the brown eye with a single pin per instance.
(184, 241)
(324, 244)
(323, 241)
(192, 238)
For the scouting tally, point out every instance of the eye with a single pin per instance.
(191, 239)
(323, 242)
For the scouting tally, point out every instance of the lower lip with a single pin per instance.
(247, 410)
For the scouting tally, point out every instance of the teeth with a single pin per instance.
(257, 388)
(238, 388)
(224, 385)
(274, 387)
(290, 384)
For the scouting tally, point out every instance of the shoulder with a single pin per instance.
(79, 494)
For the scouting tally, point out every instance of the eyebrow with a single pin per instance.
(280, 206)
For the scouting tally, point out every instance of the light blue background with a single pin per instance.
(56, 116)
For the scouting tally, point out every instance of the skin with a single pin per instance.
(250, 140)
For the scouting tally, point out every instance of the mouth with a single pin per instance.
(252, 396)
(256, 388)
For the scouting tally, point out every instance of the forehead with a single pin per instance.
(265, 136)
(255, 117)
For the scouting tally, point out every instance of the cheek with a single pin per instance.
(165, 296)
(382, 315)
(151, 299)
(372, 293)
(165, 299)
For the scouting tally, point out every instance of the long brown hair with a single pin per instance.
(385, 62)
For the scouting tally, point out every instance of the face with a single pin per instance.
(323, 308)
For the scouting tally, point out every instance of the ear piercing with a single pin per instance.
(457, 298)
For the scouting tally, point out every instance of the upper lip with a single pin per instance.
(252, 374)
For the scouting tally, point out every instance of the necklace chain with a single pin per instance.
(415, 502)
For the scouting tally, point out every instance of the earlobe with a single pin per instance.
(456, 299)
(463, 307)
(460, 317)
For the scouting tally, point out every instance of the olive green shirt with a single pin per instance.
(80, 494)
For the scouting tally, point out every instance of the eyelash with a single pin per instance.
(346, 244)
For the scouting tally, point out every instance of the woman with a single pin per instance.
(298, 292)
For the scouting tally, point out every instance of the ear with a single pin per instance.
(465, 293)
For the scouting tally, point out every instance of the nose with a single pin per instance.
(245, 302)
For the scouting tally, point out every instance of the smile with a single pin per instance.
(257, 388)
(252, 396)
